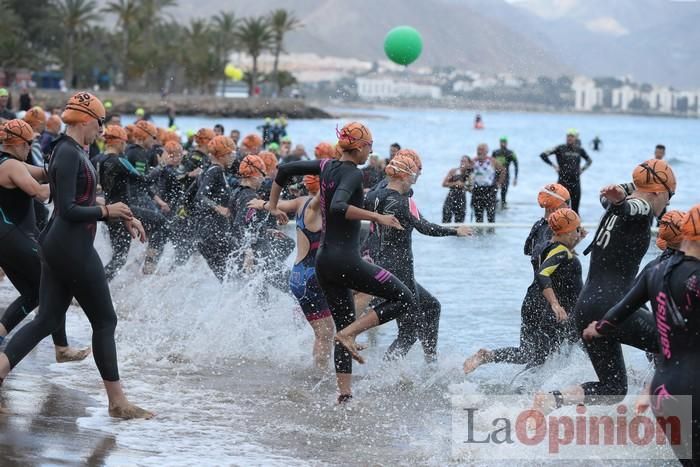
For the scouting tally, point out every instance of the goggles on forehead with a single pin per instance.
(653, 174)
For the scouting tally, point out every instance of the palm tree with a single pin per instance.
(74, 17)
(127, 14)
(224, 29)
(150, 11)
(198, 55)
(255, 35)
(281, 22)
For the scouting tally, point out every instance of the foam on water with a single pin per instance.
(228, 369)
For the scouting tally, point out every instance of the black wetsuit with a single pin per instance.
(19, 256)
(141, 198)
(256, 231)
(392, 249)
(534, 344)
(673, 288)
(569, 162)
(505, 157)
(617, 249)
(455, 206)
(371, 176)
(339, 266)
(214, 232)
(116, 175)
(186, 237)
(70, 265)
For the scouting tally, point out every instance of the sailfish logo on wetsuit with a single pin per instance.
(662, 394)
(662, 325)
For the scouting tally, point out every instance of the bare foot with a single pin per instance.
(128, 411)
(344, 398)
(351, 346)
(69, 354)
(476, 360)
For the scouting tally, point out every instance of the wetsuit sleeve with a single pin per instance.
(514, 159)
(631, 207)
(545, 155)
(637, 296)
(66, 166)
(586, 157)
(529, 243)
(205, 188)
(289, 170)
(557, 256)
(426, 227)
(341, 197)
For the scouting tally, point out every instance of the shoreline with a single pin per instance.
(483, 106)
(191, 105)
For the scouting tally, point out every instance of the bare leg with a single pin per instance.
(344, 381)
(323, 342)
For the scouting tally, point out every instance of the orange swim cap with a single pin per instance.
(661, 244)
(413, 155)
(170, 136)
(115, 134)
(53, 124)
(221, 146)
(690, 227)
(553, 196)
(36, 117)
(16, 132)
(251, 166)
(654, 176)
(172, 147)
(252, 142)
(143, 130)
(354, 136)
(401, 167)
(312, 183)
(129, 132)
(563, 221)
(161, 134)
(203, 136)
(83, 107)
(670, 227)
(270, 161)
(324, 150)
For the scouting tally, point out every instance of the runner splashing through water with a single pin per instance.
(339, 267)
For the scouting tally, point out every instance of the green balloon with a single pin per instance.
(403, 45)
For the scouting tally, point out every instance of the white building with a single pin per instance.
(588, 96)
(623, 96)
(661, 99)
(387, 88)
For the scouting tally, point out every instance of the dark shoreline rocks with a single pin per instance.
(215, 106)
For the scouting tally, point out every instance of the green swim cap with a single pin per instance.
(4, 93)
(572, 132)
(273, 147)
(140, 112)
(189, 133)
(286, 139)
(108, 105)
(504, 138)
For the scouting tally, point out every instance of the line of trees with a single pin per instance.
(147, 50)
